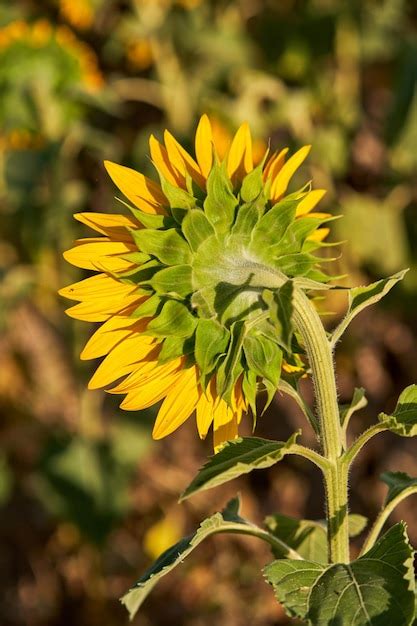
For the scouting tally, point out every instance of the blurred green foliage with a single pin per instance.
(85, 80)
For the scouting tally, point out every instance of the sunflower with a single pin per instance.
(192, 288)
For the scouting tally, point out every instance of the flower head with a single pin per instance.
(192, 289)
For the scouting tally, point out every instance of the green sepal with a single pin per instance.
(149, 308)
(403, 420)
(272, 226)
(227, 521)
(174, 347)
(250, 390)
(174, 281)
(253, 183)
(270, 390)
(247, 217)
(296, 235)
(296, 264)
(280, 305)
(149, 220)
(196, 228)
(167, 245)
(143, 273)
(220, 204)
(231, 367)
(174, 319)
(263, 357)
(211, 341)
(136, 257)
(238, 457)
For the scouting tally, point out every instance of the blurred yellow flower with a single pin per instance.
(79, 13)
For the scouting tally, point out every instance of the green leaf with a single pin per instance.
(196, 228)
(211, 340)
(358, 402)
(292, 582)
(403, 420)
(307, 537)
(220, 203)
(236, 458)
(226, 521)
(174, 319)
(281, 309)
(263, 357)
(357, 524)
(399, 484)
(361, 297)
(292, 390)
(173, 280)
(167, 245)
(377, 588)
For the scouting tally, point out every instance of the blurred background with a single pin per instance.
(86, 498)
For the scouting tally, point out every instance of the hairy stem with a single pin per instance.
(320, 356)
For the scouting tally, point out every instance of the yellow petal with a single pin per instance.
(281, 181)
(150, 392)
(97, 286)
(240, 160)
(205, 409)
(109, 335)
(275, 164)
(204, 145)
(112, 225)
(319, 234)
(122, 360)
(148, 370)
(308, 203)
(98, 253)
(178, 404)
(140, 190)
(182, 160)
(224, 432)
(163, 164)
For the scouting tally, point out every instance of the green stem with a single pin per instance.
(383, 516)
(320, 356)
(280, 546)
(352, 452)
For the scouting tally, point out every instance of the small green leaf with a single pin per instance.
(361, 297)
(377, 588)
(356, 524)
(173, 280)
(174, 319)
(220, 203)
(307, 537)
(292, 390)
(196, 228)
(167, 245)
(403, 420)
(281, 309)
(211, 341)
(238, 457)
(263, 357)
(358, 402)
(226, 521)
(398, 483)
(292, 582)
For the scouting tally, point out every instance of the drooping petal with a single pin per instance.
(308, 203)
(149, 393)
(204, 145)
(205, 409)
(140, 190)
(163, 164)
(98, 286)
(224, 432)
(319, 235)
(178, 405)
(96, 253)
(113, 226)
(275, 164)
(122, 360)
(109, 334)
